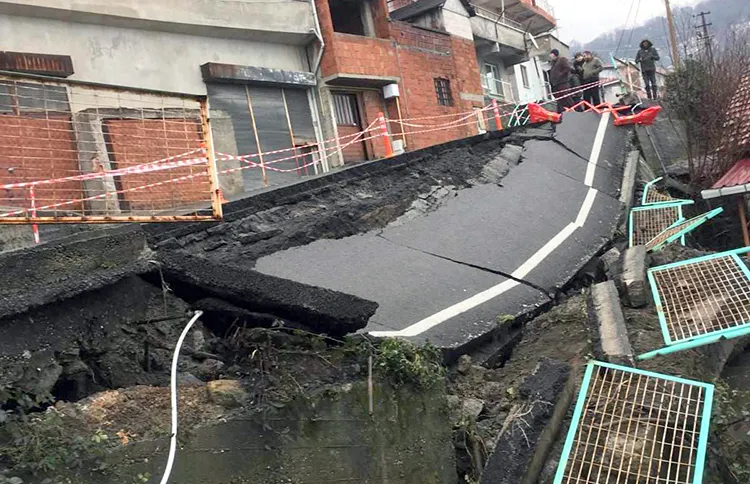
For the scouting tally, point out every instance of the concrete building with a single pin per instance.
(512, 40)
(239, 53)
(425, 48)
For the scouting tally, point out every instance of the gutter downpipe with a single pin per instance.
(316, 29)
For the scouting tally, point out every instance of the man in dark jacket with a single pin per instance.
(647, 57)
(559, 79)
(577, 79)
(592, 67)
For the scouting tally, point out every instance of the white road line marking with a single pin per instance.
(596, 150)
(451, 312)
(588, 203)
(544, 252)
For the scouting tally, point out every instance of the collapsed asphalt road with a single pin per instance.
(488, 250)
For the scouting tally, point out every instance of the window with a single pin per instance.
(491, 78)
(443, 90)
(525, 77)
(345, 106)
(347, 16)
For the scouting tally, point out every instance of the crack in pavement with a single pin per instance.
(544, 291)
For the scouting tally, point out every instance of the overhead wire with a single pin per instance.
(627, 21)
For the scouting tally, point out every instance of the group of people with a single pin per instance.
(568, 80)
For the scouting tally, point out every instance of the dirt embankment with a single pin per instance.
(350, 202)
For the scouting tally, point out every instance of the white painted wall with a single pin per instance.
(456, 19)
(226, 18)
(146, 59)
(536, 90)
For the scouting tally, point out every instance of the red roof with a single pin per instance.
(738, 175)
(738, 116)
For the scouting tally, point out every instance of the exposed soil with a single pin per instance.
(562, 335)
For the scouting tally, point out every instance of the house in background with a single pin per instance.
(413, 62)
(513, 41)
(629, 78)
(734, 185)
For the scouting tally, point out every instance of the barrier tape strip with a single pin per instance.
(167, 163)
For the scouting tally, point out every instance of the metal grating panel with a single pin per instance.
(646, 223)
(632, 426)
(680, 229)
(702, 296)
(653, 196)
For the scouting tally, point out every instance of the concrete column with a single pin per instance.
(92, 157)
(328, 125)
(634, 276)
(613, 344)
(222, 131)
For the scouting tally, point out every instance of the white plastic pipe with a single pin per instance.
(175, 358)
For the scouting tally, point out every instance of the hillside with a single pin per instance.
(726, 15)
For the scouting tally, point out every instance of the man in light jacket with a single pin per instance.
(592, 67)
(647, 57)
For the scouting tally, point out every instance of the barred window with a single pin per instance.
(443, 90)
(346, 109)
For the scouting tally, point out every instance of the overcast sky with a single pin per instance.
(583, 20)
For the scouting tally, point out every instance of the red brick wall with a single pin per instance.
(423, 56)
(134, 142)
(39, 149)
(355, 151)
(416, 56)
(365, 55)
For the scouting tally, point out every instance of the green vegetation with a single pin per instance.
(44, 444)
(403, 362)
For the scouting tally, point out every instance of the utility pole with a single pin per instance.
(705, 36)
(672, 36)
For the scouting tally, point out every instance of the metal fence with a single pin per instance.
(84, 153)
(499, 18)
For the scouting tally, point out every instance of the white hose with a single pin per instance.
(175, 358)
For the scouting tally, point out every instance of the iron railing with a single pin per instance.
(497, 18)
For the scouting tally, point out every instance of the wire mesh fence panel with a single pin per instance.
(647, 223)
(652, 195)
(680, 229)
(73, 152)
(636, 427)
(655, 196)
(697, 298)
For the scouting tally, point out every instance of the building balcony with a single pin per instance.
(534, 16)
(498, 38)
(289, 21)
(497, 89)
(354, 60)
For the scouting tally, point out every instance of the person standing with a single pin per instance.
(559, 79)
(576, 79)
(592, 67)
(647, 57)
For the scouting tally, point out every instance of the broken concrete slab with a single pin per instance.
(48, 273)
(634, 281)
(629, 177)
(606, 317)
(531, 426)
(98, 338)
(611, 260)
(512, 153)
(322, 310)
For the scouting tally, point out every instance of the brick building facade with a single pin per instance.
(436, 72)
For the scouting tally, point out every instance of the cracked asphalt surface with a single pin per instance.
(419, 269)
